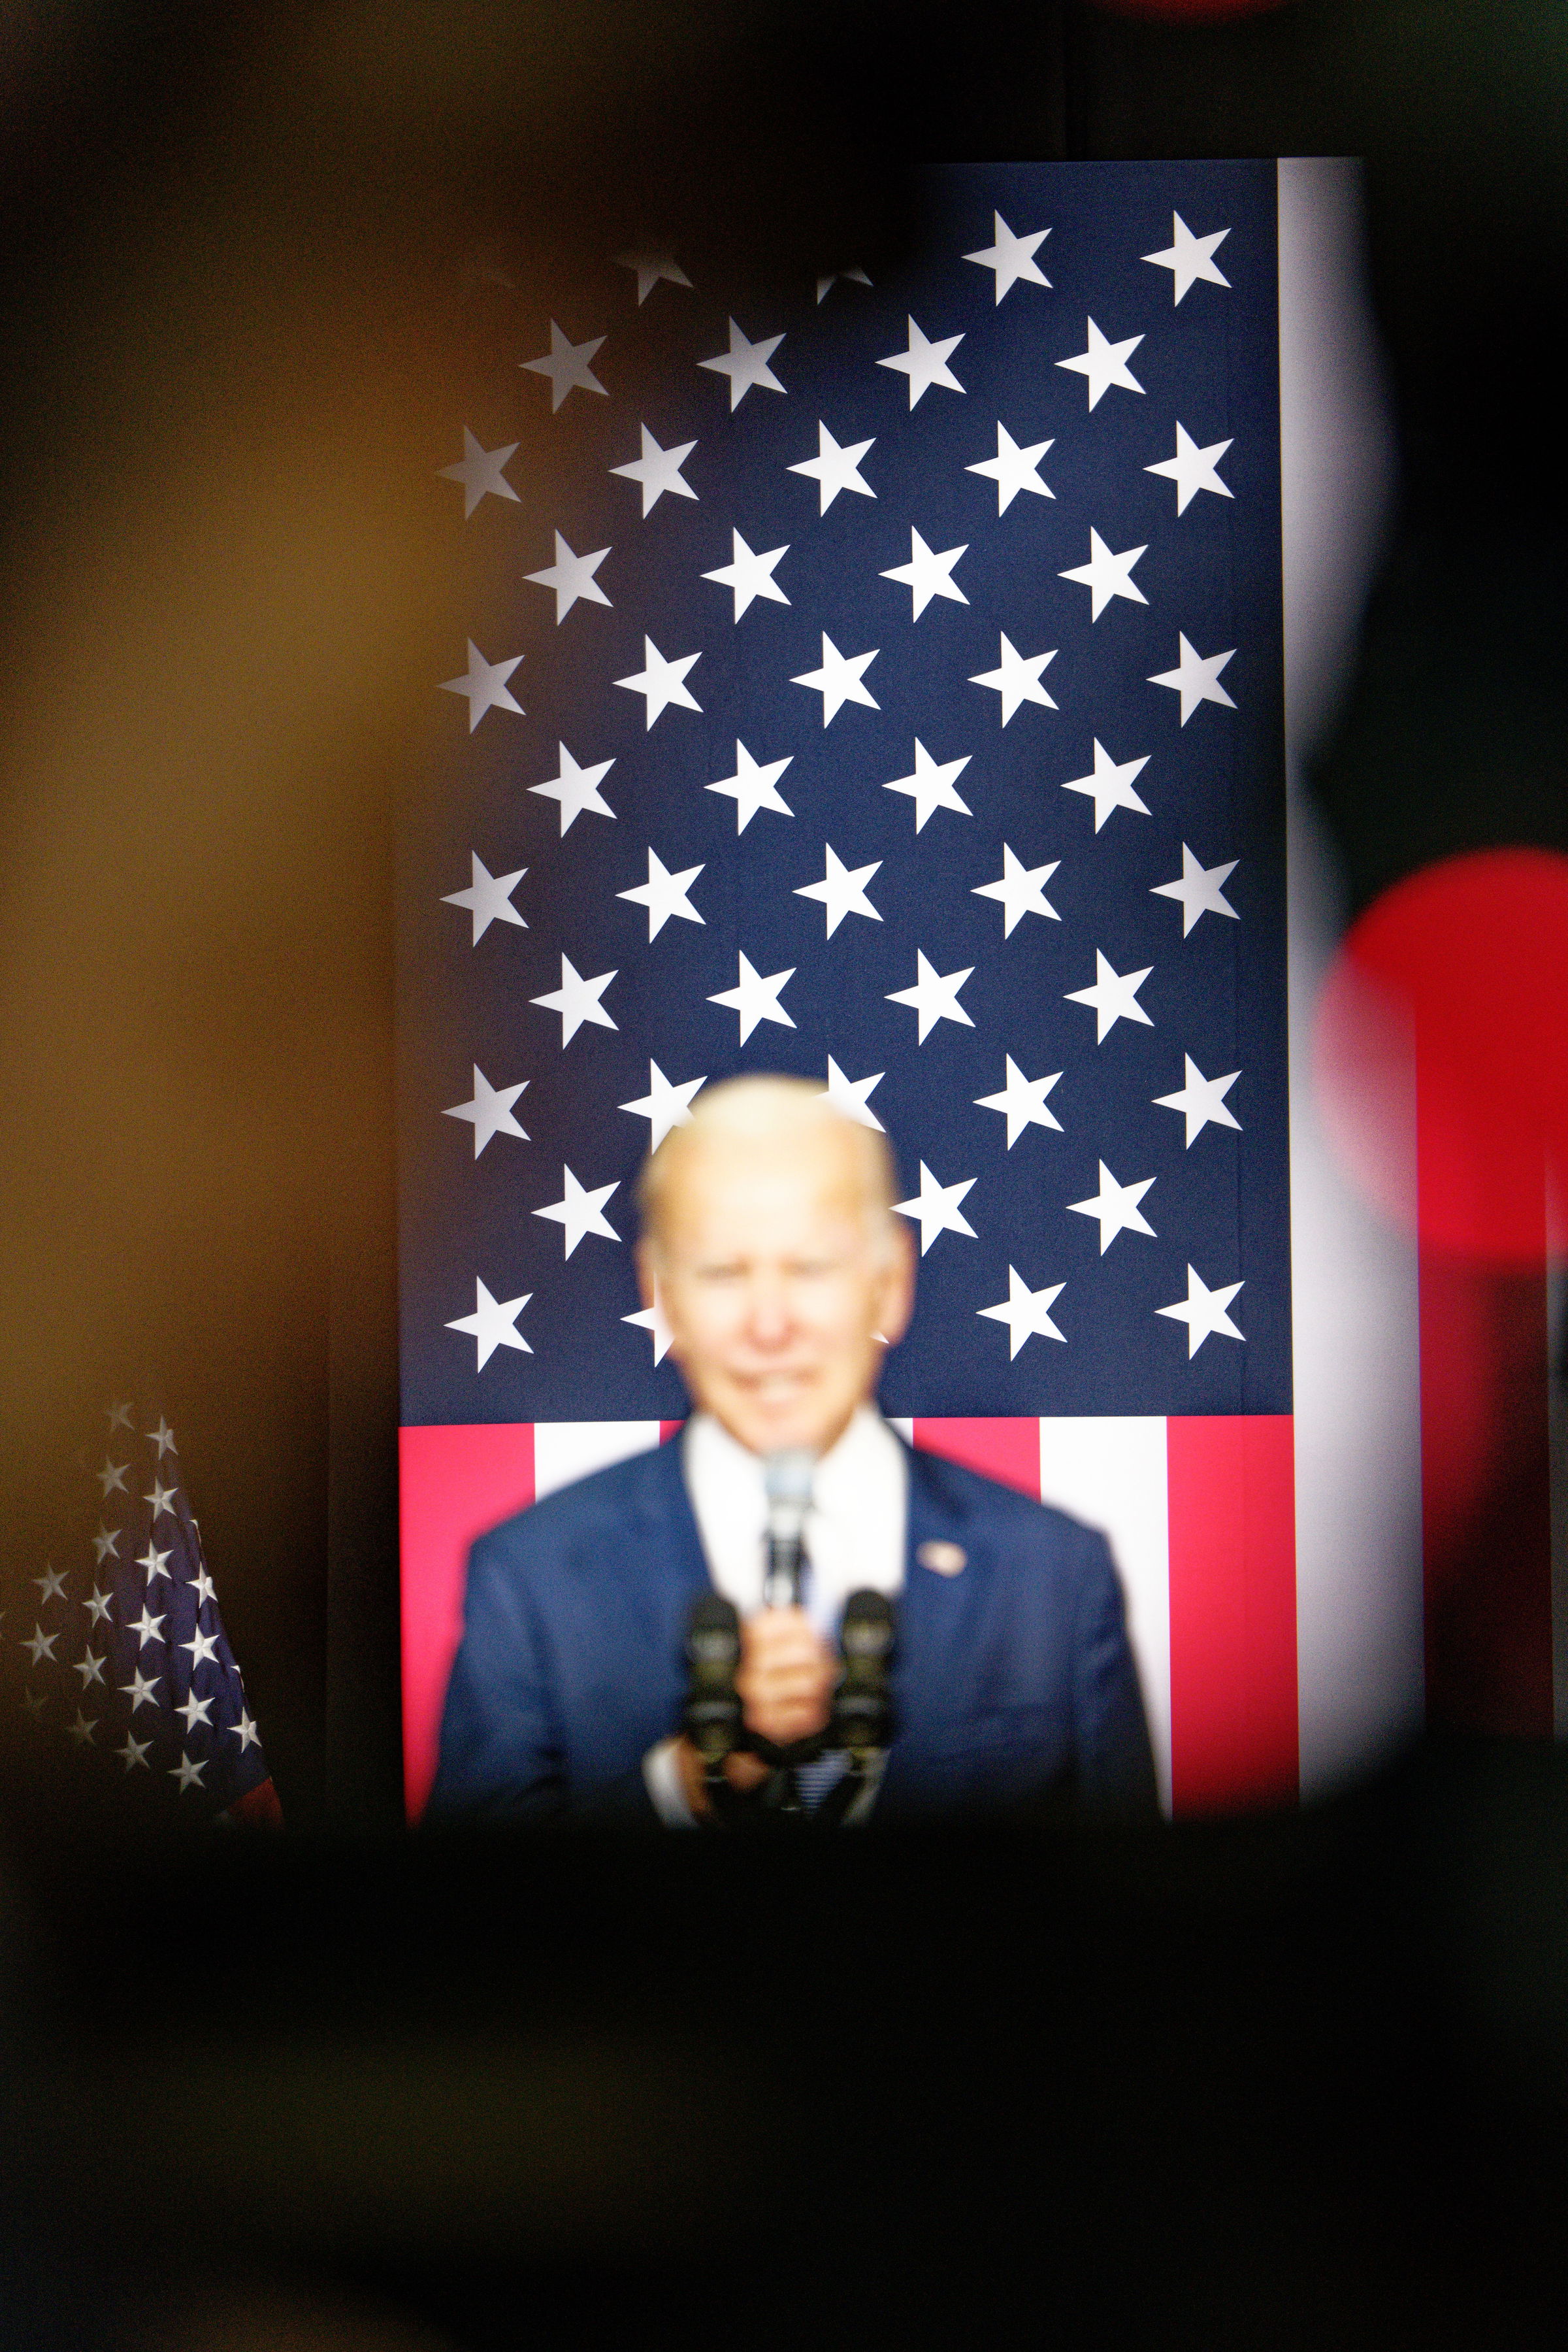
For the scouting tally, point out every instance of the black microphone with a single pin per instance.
(787, 1480)
(862, 1708)
(711, 1717)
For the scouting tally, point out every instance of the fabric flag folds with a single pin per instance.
(125, 1651)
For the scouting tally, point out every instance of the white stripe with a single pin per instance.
(1354, 1335)
(565, 1450)
(1110, 1472)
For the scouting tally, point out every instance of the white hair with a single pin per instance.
(760, 1108)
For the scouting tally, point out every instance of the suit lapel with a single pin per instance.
(940, 1616)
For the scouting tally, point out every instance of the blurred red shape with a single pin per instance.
(1459, 975)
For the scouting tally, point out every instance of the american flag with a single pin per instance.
(893, 695)
(124, 1650)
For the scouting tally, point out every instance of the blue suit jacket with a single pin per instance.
(1012, 1679)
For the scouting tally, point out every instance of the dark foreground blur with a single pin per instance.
(1292, 2083)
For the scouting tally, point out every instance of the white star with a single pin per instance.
(841, 891)
(934, 996)
(111, 1476)
(97, 1603)
(664, 894)
(202, 1647)
(1195, 678)
(663, 1106)
(35, 1701)
(658, 470)
(1201, 1101)
(928, 574)
(489, 1113)
(1190, 257)
(832, 277)
(82, 1730)
(162, 1437)
(51, 1585)
(1105, 365)
(142, 1690)
(577, 1001)
(661, 682)
(931, 786)
(569, 366)
(1021, 1102)
(1192, 469)
(245, 1731)
(89, 1666)
(488, 898)
(841, 679)
(1013, 258)
(147, 1628)
(481, 472)
(161, 1499)
(1116, 1207)
(749, 575)
(119, 1417)
(1114, 997)
(650, 267)
(1014, 469)
(745, 364)
(187, 1773)
(1200, 890)
(135, 1752)
(204, 1588)
(926, 364)
(753, 787)
(834, 468)
(651, 1320)
(1017, 678)
(1020, 891)
(493, 1324)
(1106, 575)
(849, 1095)
(39, 1645)
(1203, 1311)
(106, 1543)
(484, 683)
(154, 1562)
(1026, 1312)
(936, 1209)
(1110, 787)
(756, 998)
(579, 1211)
(577, 789)
(571, 577)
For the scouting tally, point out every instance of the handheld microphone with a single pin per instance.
(862, 1708)
(711, 1717)
(787, 1481)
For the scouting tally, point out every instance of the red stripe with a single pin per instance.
(455, 1482)
(1234, 1722)
(668, 1429)
(1006, 1450)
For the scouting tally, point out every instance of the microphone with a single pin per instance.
(862, 1708)
(711, 1717)
(787, 1481)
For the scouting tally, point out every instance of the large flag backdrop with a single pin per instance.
(893, 694)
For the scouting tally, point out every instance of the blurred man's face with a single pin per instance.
(774, 1274)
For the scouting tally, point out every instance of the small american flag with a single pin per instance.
(124, 1650)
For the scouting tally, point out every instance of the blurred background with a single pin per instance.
(252, 260)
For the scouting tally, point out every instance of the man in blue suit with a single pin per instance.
(771, 1251)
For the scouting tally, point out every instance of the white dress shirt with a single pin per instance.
(854, 1538)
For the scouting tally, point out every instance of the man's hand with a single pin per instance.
(785, 1682)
